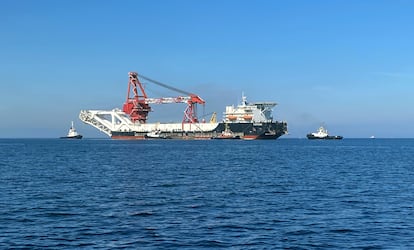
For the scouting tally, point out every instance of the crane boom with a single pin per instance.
(194, 98)
(137, 106)
(166, 100)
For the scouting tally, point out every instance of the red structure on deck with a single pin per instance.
(137, 105)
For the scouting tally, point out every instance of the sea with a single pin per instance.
(215, 194)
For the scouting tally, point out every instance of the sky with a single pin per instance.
(344, 64)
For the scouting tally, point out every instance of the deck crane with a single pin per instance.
(137, 105)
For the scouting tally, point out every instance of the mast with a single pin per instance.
(135, 106)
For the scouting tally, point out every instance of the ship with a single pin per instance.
(158, 134)
(248, 121)
(322, 134)
(227, 134)
(72, 134)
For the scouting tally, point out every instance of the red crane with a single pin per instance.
(137, 105)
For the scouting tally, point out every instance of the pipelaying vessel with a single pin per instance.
(245, 121)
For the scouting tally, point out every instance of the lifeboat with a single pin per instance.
(248, 117)
(232, 117)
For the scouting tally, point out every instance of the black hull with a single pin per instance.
(246, 131)
(329, 137)
(226, 137)
(72, 137)
(157, 138)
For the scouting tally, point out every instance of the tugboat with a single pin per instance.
(156, 134)
(322, 134)
(72, 134)
(226, 134)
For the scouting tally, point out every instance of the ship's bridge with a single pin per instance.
(249, 112)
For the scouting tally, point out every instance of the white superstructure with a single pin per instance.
(72, 131)
(249, 112)
(321, 133)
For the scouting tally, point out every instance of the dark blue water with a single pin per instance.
(168, 194)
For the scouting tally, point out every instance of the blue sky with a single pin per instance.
(346, 64)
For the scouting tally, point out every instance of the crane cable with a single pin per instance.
(166, 86)
(170, 88)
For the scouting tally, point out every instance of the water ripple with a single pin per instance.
(283, 194)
